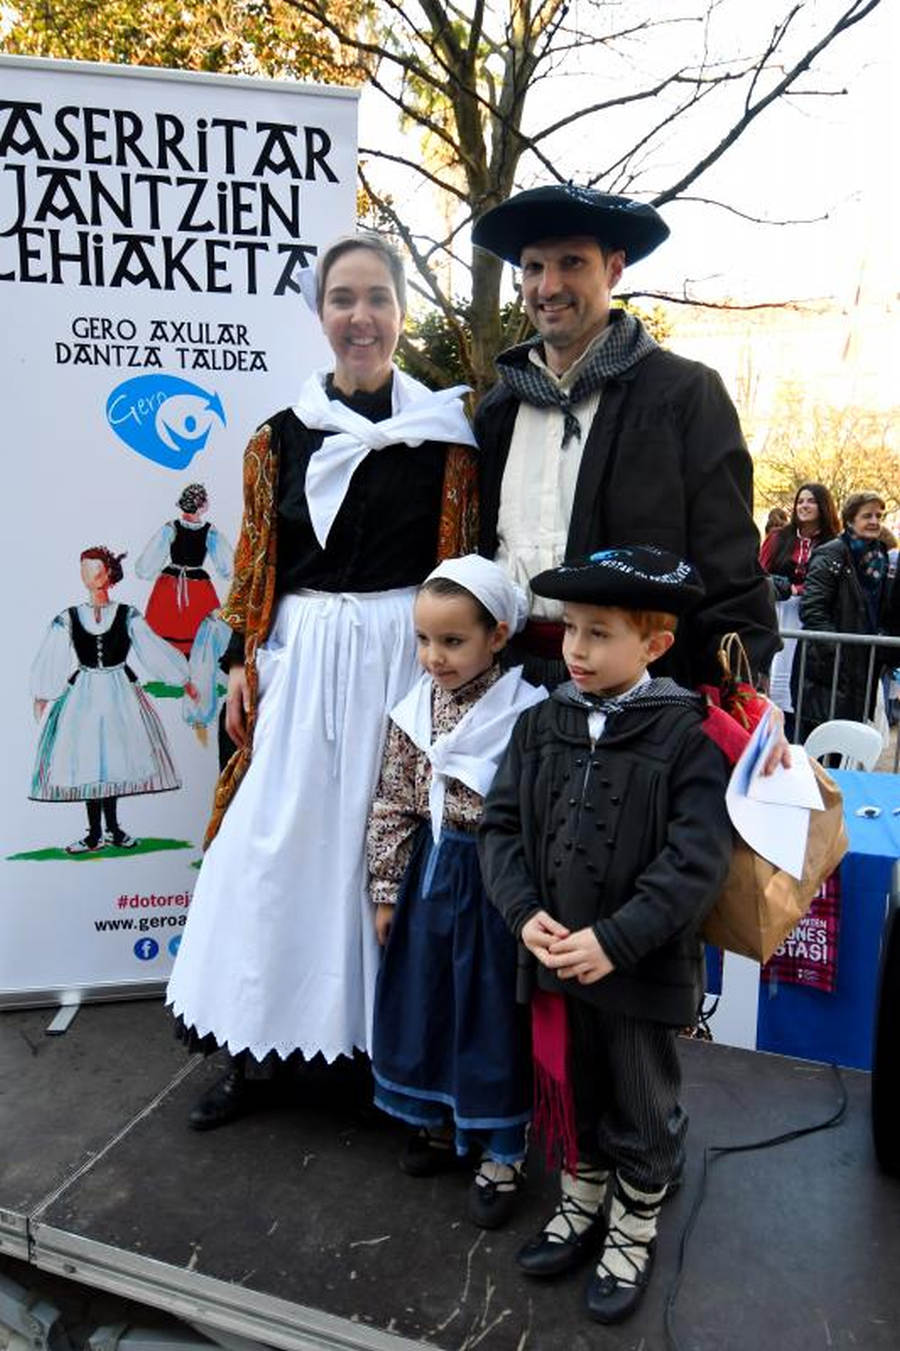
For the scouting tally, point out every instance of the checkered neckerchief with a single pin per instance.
(625, 342)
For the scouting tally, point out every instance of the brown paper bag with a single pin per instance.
(760, 903)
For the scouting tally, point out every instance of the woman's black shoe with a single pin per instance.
(228, 1099)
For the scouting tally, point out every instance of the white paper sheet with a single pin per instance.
(772, 814)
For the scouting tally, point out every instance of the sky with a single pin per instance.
(810, 157)
(834, 157)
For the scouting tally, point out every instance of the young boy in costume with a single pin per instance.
(604, 842)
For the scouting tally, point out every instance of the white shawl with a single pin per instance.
(418, 415)
(472, 750)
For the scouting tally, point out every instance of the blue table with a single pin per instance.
(838, 1027)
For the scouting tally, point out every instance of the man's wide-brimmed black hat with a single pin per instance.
(631, 577)
(563, 210)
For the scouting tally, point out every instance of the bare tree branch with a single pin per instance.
(674, 299)
(852, 16)
(621, 101)
(404, 233)
(757, 220)
(416, 165)
(461, 75)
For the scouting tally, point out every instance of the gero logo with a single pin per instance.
(164, 418)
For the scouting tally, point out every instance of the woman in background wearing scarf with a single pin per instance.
(847, 591)
(350, 497)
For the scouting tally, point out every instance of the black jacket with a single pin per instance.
(833, 601)
(630, 836)
(664, 463)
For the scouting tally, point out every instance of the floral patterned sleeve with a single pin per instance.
(393, 819)
(252, 540)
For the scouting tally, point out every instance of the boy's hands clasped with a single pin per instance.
(576, 955)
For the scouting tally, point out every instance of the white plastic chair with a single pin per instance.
(857, 743)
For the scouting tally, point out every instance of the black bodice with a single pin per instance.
(99, 650)
(188, 548)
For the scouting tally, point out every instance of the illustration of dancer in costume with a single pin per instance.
(209, 646)
(101, 739)
(183, 594)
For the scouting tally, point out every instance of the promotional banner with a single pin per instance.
(155, 228)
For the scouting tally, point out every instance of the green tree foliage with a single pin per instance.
(849, 449)
(248, 37)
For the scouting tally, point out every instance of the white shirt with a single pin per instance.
(597, 718)
(538, 489)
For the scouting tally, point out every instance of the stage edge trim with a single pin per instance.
(14, 1234)
(192, 1296)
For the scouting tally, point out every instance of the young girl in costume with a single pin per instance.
(183, 594)
(447, 1055)
(102, 739)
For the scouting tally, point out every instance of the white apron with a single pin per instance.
(279, 949)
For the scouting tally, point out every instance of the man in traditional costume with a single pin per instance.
(595, 436)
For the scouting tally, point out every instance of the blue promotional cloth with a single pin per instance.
(871, 836)
(811, 1024)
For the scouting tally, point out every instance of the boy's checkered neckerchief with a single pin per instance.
(625, 342)
(661, 690)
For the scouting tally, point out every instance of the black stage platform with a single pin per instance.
(294, 1226)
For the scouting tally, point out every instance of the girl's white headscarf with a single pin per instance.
(472, 750)
(488, 582)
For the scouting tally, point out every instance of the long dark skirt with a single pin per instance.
(449, 1043)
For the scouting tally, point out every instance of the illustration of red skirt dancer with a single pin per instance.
(183, 594)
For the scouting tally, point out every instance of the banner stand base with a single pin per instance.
(62, 1019)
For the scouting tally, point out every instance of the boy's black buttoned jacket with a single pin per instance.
(631, 837)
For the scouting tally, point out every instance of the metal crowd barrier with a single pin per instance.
(873, 641)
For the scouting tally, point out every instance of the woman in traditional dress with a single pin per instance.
(183, 594)
(350, 497)
(102, 738)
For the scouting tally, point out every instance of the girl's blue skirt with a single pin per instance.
(449, 1042)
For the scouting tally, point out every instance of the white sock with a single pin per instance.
(582, 1196)
(505, 1176)
(632, 1226)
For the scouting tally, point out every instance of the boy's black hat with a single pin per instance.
(563, 210)
(631, 577)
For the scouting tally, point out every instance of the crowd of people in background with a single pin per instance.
(832, 572)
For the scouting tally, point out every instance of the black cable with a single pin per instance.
(710, 1154)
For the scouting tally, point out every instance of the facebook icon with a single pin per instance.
(145, 949)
